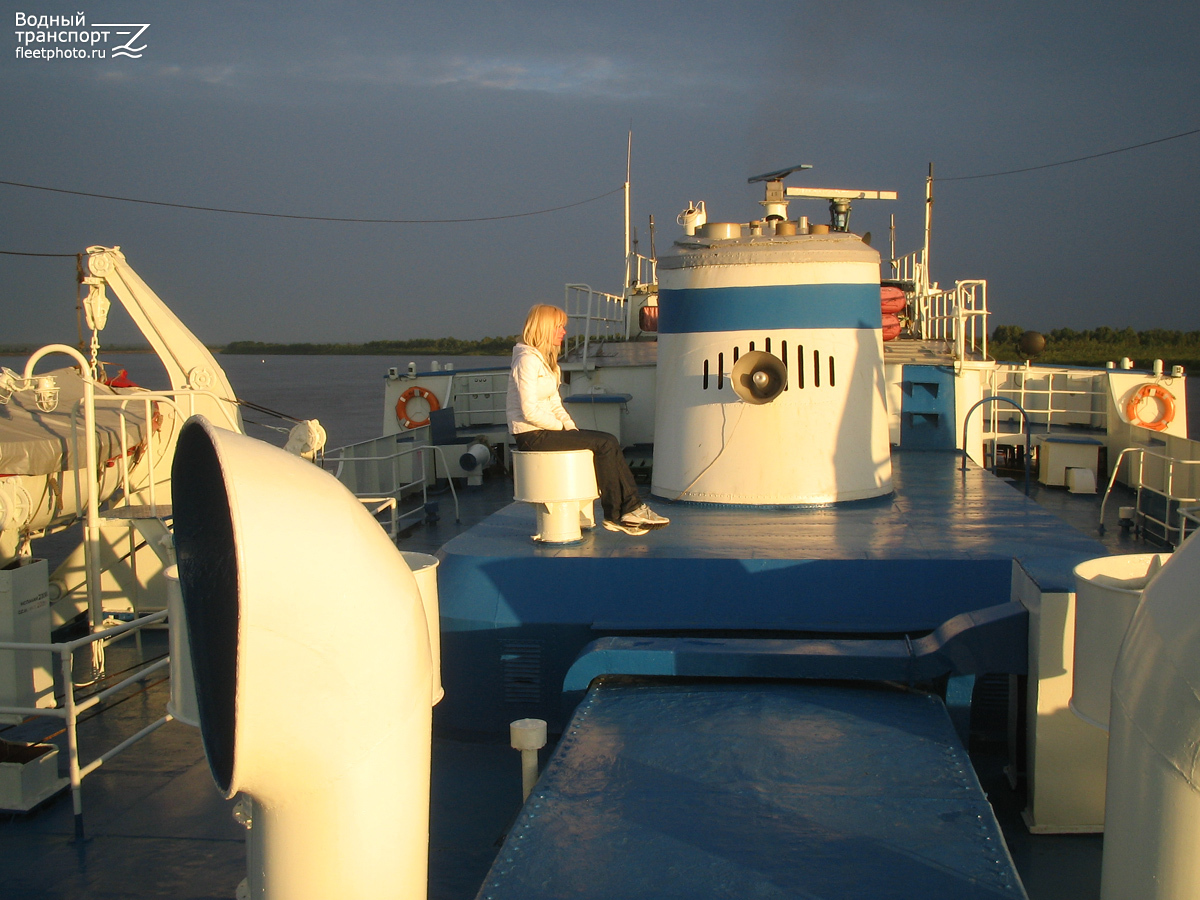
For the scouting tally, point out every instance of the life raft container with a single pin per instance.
(891, 327)
(1165, 398)
(425, 394)
(892, 299)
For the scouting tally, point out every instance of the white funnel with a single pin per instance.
(1152, 807)
(290, 589)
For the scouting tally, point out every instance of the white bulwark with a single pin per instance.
(812, 427)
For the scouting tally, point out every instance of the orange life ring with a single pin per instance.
(892, 299)
(1165, 397)
(402, 406)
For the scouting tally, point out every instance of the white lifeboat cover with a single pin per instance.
(33, 442)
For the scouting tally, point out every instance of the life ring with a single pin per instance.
(892, 299)
(402, 406)
(1160, 393)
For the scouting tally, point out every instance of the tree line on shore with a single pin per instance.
(1066, 346)
(446, 346)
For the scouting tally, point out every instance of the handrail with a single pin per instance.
(71, 709)
(1112, 480)
(1025, 418)
(1167, 492)
(605, 311)
(1029, 394)
(342, 460)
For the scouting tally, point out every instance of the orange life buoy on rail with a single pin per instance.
(402, 406)
(1160, 393)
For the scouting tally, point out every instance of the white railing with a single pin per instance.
(592, 316)
(72, 708)
(1062, 398)
(380, 475)
(479, 398)
(912, 268)
(1165, 488)
(643, 271)
(957, 317)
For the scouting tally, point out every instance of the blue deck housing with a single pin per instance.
(756, 791)
(517, 614)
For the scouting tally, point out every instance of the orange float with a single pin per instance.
(1162, 395)
(402, 406)
(892, 299)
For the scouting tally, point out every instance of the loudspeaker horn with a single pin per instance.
(758, 377)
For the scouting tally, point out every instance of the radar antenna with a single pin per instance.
(775, 202)
(776, 199)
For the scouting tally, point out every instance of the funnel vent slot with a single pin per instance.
(521, 669)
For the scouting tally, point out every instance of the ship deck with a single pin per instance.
(756, 790)
(943, 543)
(156, 827)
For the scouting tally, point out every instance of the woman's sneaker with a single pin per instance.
(645, 517)
(626, 528)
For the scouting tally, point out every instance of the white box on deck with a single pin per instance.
(26, 676)
(1058, 453)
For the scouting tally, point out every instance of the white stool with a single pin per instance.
(562, 485)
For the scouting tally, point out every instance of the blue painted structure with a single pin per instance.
(756, 791)
(768, 308)
(516, 615)
(927, 408)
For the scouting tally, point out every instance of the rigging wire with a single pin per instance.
(1067, 162)
(270, 215)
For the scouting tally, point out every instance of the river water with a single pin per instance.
(345, 393)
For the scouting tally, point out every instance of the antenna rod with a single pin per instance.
(628, 245)
(928, 217)
(892, 230)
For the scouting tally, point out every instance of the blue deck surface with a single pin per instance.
(756, 791)
(942, 545)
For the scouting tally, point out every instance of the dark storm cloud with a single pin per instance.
(437, 110)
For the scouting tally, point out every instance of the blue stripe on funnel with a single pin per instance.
(767, 307)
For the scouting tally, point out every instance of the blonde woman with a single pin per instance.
(539, 422)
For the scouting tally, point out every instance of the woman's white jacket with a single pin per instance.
(533, 403)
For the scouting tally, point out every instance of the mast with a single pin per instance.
(928, 217)
(628, 239)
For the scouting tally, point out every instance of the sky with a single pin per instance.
(454, 110)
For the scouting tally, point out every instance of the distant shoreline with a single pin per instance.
(1063, 347)
(496, 346)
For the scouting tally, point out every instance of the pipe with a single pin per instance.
(1152, 805)
(286, 581)
(528, 736)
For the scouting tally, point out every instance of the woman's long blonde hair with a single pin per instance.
(541, 323)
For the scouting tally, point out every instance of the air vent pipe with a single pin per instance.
(1152, 805)
(286, 583)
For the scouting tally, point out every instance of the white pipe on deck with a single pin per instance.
(1152, 817)
(288, 583)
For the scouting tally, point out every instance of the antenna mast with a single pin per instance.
(928, 218)
(628, 245)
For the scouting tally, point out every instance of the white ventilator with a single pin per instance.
(561, 485)
(1152, 806)
(301, 614)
